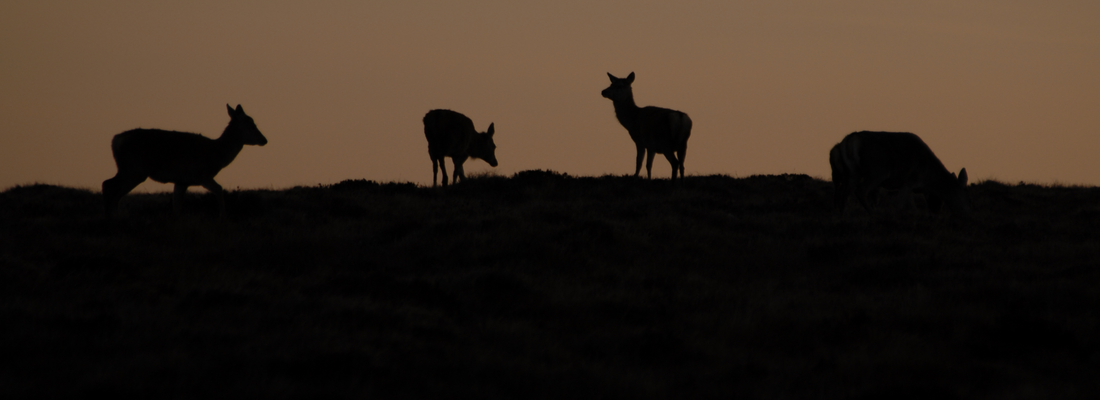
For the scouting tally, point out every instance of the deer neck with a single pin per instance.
(625, 109)
(228, 145)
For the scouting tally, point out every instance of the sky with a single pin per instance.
(1008, 89)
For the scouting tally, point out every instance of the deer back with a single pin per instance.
(899, 160)
(902, 157)
(182, 157)
(449, 133)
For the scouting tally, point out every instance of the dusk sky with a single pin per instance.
(1008, 89)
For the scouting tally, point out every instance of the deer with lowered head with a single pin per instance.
(865, 161)
(451, 134)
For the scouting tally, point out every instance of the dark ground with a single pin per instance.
(548, 286)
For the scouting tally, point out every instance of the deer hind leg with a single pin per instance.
(117, 187)
(215, 188)
(638, 161)
(680, 156)
(671, 157)
(649, 163)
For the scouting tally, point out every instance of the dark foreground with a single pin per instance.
(548, 286)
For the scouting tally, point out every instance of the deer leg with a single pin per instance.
(649, 163)
(442, 166)
(215, 188)
(675, 164)
(459, 171)
(638, 162)
(435, 173)
(117, 187)
(680, 156)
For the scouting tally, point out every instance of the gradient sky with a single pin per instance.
(1008, 89)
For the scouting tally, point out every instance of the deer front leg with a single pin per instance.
(435, 173)
(638, 162)
(459, 171)
(443, 166)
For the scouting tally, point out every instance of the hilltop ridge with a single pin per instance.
(545, 285)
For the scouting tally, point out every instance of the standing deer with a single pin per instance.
(865, 161)
(653, 129)
(451, 134)
(186, 159)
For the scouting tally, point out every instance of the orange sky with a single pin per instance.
(1008, 89)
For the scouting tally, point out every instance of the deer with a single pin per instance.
(654, 130)
(451, 134)
(185, 159)
(865, 161)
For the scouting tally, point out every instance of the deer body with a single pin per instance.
(654, 130)
(451, 134)
(865, 161)
(185, 159)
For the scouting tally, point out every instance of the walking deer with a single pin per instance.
(653, 129)
(451, 134)
(185, 159)
(865, 161)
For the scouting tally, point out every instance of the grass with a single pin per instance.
(543, 285)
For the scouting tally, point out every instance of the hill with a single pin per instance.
(543, 285)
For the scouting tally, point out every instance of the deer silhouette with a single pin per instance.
(185, 159)
(654, 130)
(451, 134)
(865, 161)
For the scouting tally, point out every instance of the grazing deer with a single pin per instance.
(865, 161)
(186, 159)
(653, 129)
(451, 134)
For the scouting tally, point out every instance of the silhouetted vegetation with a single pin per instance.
(544, 285)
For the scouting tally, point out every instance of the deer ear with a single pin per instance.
(962, 177)
(490, 131)
(240, 110)
(611, 76)
(230, 108)
(630, 79)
